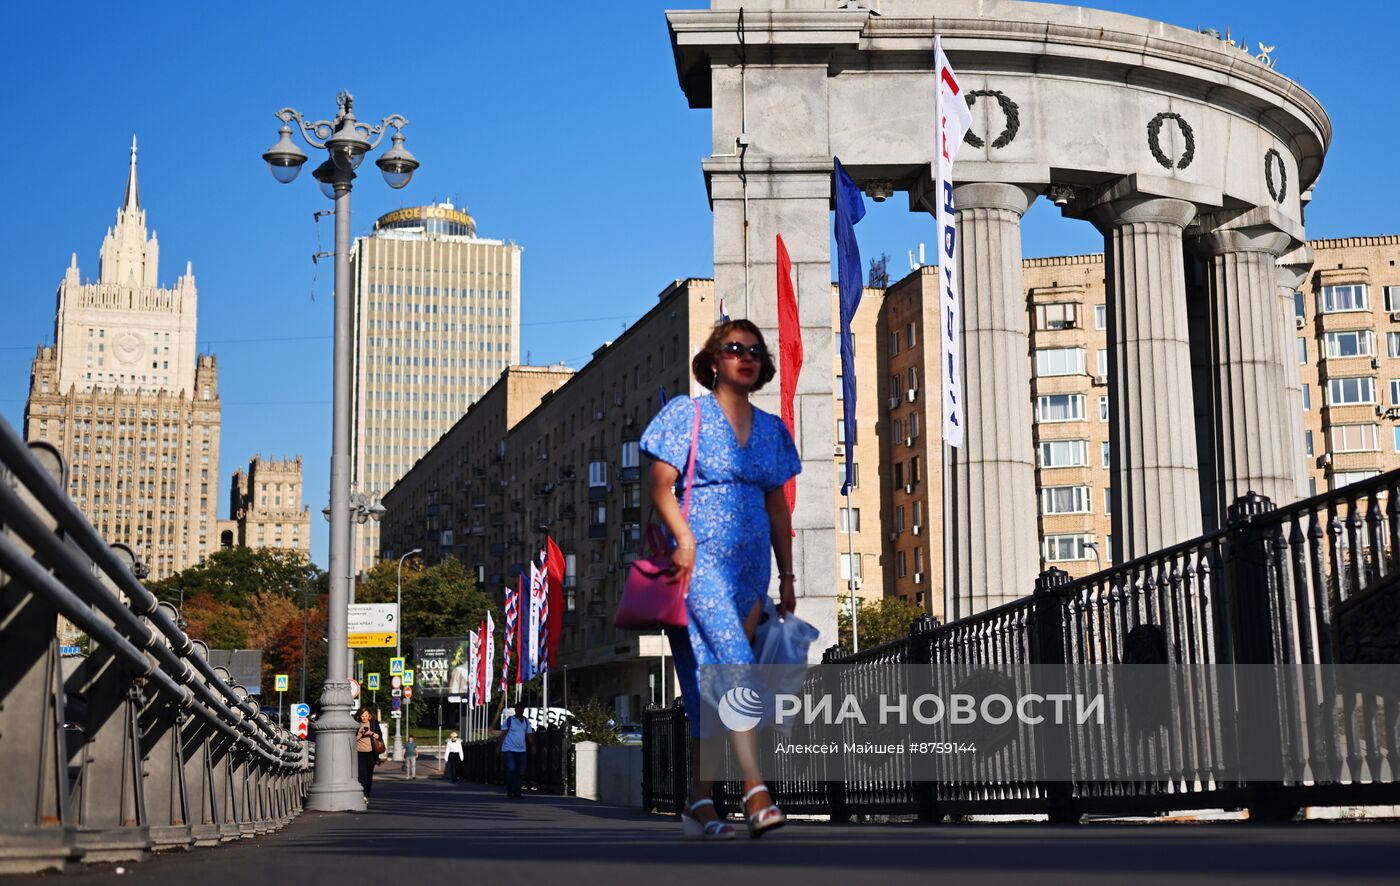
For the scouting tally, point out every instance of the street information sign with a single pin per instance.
(300, 714)
(373, 625)
(395, 666)
(281, 683)
(408, 677)
(373, 681)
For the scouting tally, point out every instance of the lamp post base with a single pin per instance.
(334, 787)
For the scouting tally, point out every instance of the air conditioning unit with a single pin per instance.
(909, 441)
(840, 451)
(598, 415)
(1070, 324)
(911, 395)
(1325, 460)
(908, 488)
(1375, 362)
(894, 401)
(1395, 316)
(1393, 412)
(918, 578)
(1301, 322)
(917, 529)
(1100, 380)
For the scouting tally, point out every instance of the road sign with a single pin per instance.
(408, 692)
(454, 699)
(396, 681)
(354, 688)
(397, 692)
(372, 681)
(396, 704)
(408, 677)
(301, 710)
(394, 715)
(395, 667)
(300, 714)
(281, 683)
(372, 625)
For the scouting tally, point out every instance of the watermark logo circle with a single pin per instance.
(740, 709)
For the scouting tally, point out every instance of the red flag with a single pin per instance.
(789, 353)
(554, 569)
(481, 667)
(520, 622)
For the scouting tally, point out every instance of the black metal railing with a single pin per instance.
(549, 766)
(144, 745)
(1313, 583)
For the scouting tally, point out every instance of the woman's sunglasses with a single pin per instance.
(737, 349)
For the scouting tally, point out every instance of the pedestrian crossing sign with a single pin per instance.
(396, 666)
(372, 681)
(408, 677)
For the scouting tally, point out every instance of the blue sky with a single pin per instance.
(559, 126)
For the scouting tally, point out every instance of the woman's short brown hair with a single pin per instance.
(703, 366)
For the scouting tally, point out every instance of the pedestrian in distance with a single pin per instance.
(369, 744)
(516, 736)
(738, 513)
(410, 757)
(453, 756)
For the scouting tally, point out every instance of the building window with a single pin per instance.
(841, 432)
(1356, 438)
(918, 513)
(1108, 501)
(1302, 350)
(1064, 500)
(847, 561)
(1308, 441)
(1064, 453)
(1346, 478)
(631, 454)
(1298, 303)
(1062, 315)
(900, 569)
(1102, 361)
(600, 514)
(1392, 298)
(1395, 392)
(1307, 397)
(1351, 391)
(1106, 462)
(894, 343)
(1100, 316)
(597, 473)
(850, 520)
(1065, 548)
(1059, 361)
(1060, 407)
(914, 470)
(1103, 408)
(1347, 297)
(1353, 343)
(909, 338)
(899, 516)
(855, 474)
(1392, 344)
(1397, 439)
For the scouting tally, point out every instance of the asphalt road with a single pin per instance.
(429, 832)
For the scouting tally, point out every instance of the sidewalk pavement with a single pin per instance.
(429, 831)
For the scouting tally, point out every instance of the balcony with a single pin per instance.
(597, 530)
(597, 492)
(629, 475)
(497, 548)
(544, 489)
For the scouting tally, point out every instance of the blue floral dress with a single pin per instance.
(730, 522)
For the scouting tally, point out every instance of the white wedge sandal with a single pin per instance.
(695, 829)
(766, 819)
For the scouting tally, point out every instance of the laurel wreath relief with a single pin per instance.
(1270, 156)
(1008, 108)
(1154, 132)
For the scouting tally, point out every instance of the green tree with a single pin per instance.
(234, 576)
(438, 601)
(881, 621)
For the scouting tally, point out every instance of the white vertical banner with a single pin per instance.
(473, 666)
(954, 118)
(490, 656)
(532, 629)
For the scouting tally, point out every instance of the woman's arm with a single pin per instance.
(780, 530)
(663, 499)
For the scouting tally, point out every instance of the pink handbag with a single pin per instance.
(654, 596)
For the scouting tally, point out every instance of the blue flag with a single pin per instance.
(664, 398)
(850, 208)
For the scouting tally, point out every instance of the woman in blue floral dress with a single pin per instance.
(737, 515)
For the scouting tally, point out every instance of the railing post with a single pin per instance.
(36, 829)
(921, 655)
(838, 809)
(648, 755)
(680, 755)
(1048, 663)
(1253, 607)
(109, 801)
(167, 799)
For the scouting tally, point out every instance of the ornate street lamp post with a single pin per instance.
(346, 141)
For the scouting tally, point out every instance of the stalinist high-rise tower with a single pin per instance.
(129, 401)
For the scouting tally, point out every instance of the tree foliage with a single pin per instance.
(880, 621)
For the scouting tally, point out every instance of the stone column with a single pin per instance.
(1290, 273)
(1252, 438)
(793, 198)
(992, 535)
(1152, 435)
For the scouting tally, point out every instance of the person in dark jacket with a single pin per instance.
(368, 746)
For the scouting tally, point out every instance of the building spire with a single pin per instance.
(133, 196)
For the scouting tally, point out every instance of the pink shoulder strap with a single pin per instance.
(690, 461)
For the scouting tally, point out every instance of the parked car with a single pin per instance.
(629, 733)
